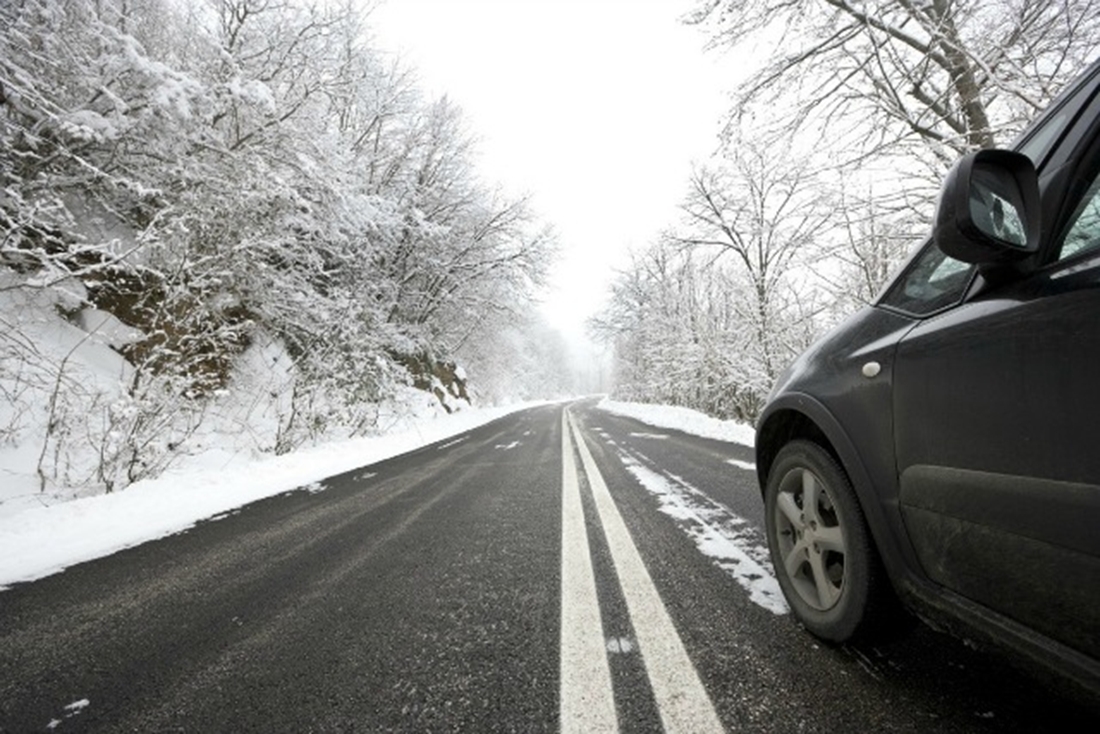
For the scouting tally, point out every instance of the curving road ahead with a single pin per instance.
(556, 570)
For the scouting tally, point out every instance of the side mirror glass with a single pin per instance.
(989, 208)
(996, 208)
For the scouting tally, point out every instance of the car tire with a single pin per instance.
(824, 556)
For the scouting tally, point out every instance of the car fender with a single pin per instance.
(778, 425)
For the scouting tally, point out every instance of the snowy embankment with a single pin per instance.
(68, 413)
(39, 541)
(683, 419)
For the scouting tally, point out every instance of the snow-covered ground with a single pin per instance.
(720, 534)
(683, 419)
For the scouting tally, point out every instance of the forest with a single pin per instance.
(241, 204)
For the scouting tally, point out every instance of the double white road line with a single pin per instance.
(587, 697)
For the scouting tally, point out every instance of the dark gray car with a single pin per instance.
(942, 447)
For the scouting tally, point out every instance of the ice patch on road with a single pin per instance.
(451, 443)
(71, 710)
(718, 532)
(620, 645)
(508, 446)
(746, 465)
(605, 436)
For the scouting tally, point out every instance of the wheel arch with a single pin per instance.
(800, 416)
(797, 416)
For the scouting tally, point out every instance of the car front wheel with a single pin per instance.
(823, 554)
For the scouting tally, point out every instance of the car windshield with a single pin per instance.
(1037, 141)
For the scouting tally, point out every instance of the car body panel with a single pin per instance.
(1001, 499)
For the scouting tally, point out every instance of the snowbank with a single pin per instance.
(683, 419)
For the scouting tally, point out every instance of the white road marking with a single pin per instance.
(746, 465)
(587, 699)
(649, 435)
(681, 699)
(508, 446)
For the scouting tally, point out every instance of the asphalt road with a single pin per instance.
(425, 593)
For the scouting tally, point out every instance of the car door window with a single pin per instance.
(932, 281)
(1084, 232)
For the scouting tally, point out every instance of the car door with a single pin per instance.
(997, 432)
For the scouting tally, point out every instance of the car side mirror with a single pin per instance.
(988, 210)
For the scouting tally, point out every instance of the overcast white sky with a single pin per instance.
(595, 107)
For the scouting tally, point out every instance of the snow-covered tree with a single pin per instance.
(848, 115)
(230, 173)
(709, 315)
(943, 76)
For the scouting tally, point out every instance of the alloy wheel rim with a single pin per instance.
(811, 539)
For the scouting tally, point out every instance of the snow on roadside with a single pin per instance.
(683, 419)
(40, 541)
(719, 533)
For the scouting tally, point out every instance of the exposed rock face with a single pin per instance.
(443, 378)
